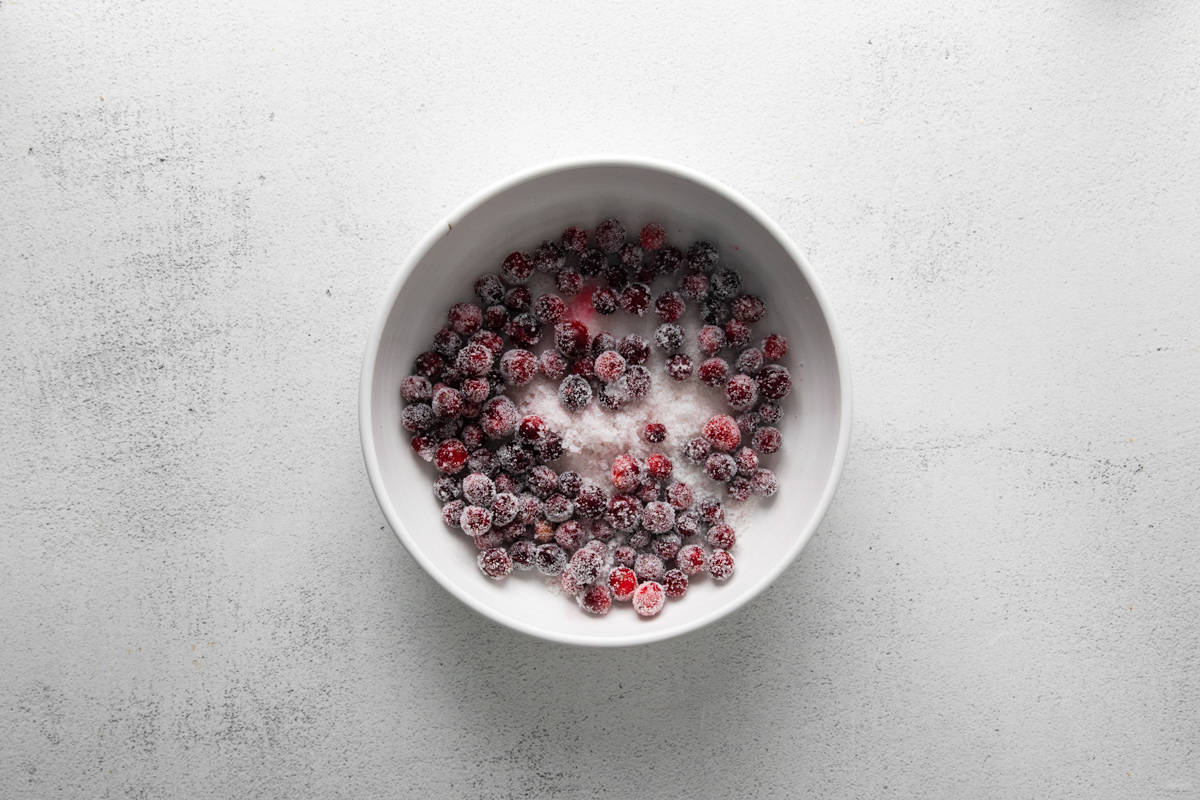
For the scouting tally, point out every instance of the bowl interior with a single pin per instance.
(537, 207)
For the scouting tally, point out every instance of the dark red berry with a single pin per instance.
(568, 535)
(524, 329)
(531, 428)
(574, 238)
(639, 540)
(447, 342)
(574, 393)
(415, 387)
(483, 460)
(591, 501)
(739, 488)
(514, 458)
(495, 318)
(550, 559)
(623, 555)
(498, 418)
(720, 565)
(711, 510)
(737, 334)
(725, 284)
(592, 262)
(764, 483)
(452, 513)
(722, 431)
(634, 349)
(465, 318)
(631, 256)
(750, 361)
(542, 481)
(635, 299)
(568, 282)
(474, 359)
(720, 467)
(551, 447)
(428, 364)
(529, 509)
(741, 392)
(609, 365)
(770, 413)
(667, 260)
(714, 372)
(687, 523)
(626, 473)
(669, 306)
(703, 256)
(553, 365)
(601, 532)
(559, 508)
(654, 432)
(666, 546)
(516, 268)
(679, 367)
(596, 600)
(622, 581)
(710, 339)
(648, 567)
(694, 286)
(417, 417)
(424, 446)
(604, 300)
(748, 308)
(571, 338)
(447, 402)
(747, 461)
(496, 563)
(504, 507)
(714, 312)
(658, 517)
(446, 489)
(767, 439)
(675, 583)
(680, 495)
(518, 298)
(505, 483)
(669, 337)
(774, 347)
(489, 289)
(637, 378)
(610, 235)
(697, 450)
(549, 308)
(475, 520)
(691, 559)
(774, 382)
(489, 339)
(649, 598)
(659, 466)
(569, 483)
(721, 535)
(518, 366)
(624, 513)
(522, 553)
(549, 257)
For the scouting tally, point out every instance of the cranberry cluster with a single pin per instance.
(641, 542)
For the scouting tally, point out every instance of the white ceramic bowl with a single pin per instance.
(535, 205)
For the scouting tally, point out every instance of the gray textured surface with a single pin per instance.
(202, 206)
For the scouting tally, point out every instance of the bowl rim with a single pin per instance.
(422, 248)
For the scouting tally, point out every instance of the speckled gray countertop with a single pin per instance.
(203, 204)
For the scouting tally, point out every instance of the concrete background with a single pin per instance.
(202, 204)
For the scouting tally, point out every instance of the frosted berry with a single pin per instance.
(666, 546)
(763, 482)
(550, 559)
(639, 539)
(524, 329)
(750, 361)
(691, 559)
(498, 418)
(654, 432)
(687, 523)
(475, 520)
(489, 289)
(550, 448)
(542, 481)
(574, 393)
(450, 456)
(428, 364)
(648, 492)
(739, 488)
(610, 235)
(658, 517)
(774, 347)
(522, 553)
(720, 565)
(631, 256)
(622, 581)
(585, 565)
(770, 413)
(741, 392)
(518, 298)
(516, 268)
(474, 359)
(774, 382)
(529, 509)
(531, 428)
(552, 365)
(720, 467)
(488, 539)
(725, 284)
(549, 308)
(722, 431)
(446, 489)
(592, 261)
(549, 257)
(697, 450)
(447, 342)
(504, 508)
(748, 308)
(604, 301)
(601, 532)
(669, 337)
(653, 236)
(489, 339)
(624, 513)
(659, 466)
(635, 299)
(609, 365)
(669, 306)
(614, 395)
(737, 334)
(637, 378)
(721, 535)
(495, 318)
(675, 583)
(424, 446)
(568, 282)
(452, 513)
(483, 460)
(514, 458)
(747, 461)
(447, 402)
(710, 339)
(714, 312)
(598, 547)
(465, 318)
(680, 495)
(679, 367)
(694, 286)
(574, 238)
(623, 555)
(478, 489)
(569, 534)
(714, 372)
(415, 387)
(747, 422)
(569, 483)
(559, 508)
(711, 510)
(504, 483)
(591, 501)
(648, 567)
(767, 440)
(417, 417)
(496, 563)
(649, 598)
(596, 600)
(626, 473)
(634, 349)
(703, 255)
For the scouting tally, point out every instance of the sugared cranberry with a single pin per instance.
(447, 402)
(452, 513)
(524, 329)
(669, 306)
(635, 299)
(489, 289)
(446, 489)
(609, 365)
(601, 342)
(518, 298)
(417, 417)
(601, 532)
(514, 458)
(714, 372)
(549, 308)
(722, 431)
(596, 600)
(649, 598)
(679, 367)
(659, 466)
(654, 432)
(750, 361)
(428, 364)
(658, 517)
(767, 440)
(747, 422)
(691, 559)
(737, 334)
(592, 261)
(604, 301)
(739, 488)
(549, 257)
(675, 583)
(763, 482)
(529, 509)
(669, 337)
(667, 260)
(465, 318)
(703, 255)
(495, 318)
(774, 347)
(474, 359)
(569, 534)
(550, 559)
(559, 508)
(720, 565)
(504, 508)
(475, 520)
(638, 379)
(450, 457)
(569, 483)
(694, 286)
(542, 481)
(553, 365)
(574, 393)
(531, 428)
(550, 448)
(489, 339)
(505, 483)
(447, 342)
(679, 495)
(574, 238)
(568, 282)
(774, 382)
(770, 413)
(498, 418)
(483, 460)
(624, 513)
(714, 312)
(653, 236)
(687, 523)
(610, 235)
(496, 563)
(543, 531)
(522, 553)
(720, 467)
(591, 501)
(721, 535)
(711, 510)
(489, 539)
(415, 387)
(631, 256)
(710, 339)
(748, 308)
(623, 555)
(478, 489)
(424, 446)
(741, 392)
(648, 567)
(634, 349)
(697, 450)
(516, 268)
(626, 473)
(666, 546)
(747, 461)
(639, 539)
(622, 581)
(725, 284)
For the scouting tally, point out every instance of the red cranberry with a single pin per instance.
(450, 457)
(703, 255)
(687, 523)
(529, 509)
(428, 364)
(553, 365)
(446, 489)
(774, 347)
(516, 268)
(711, 510)
(667, 546)
(518, 298)
(675, 583)
(737, 334)
(649, 598)
(600, 532)
(722, 431)
(452, 513)
(489, 289)
(568, 282)
(767, 440)
(748, 308)
(550, 559)
(659, 466)
(542, 481)
(725, 284)
(514, 458)
(721, 535)
(747, 422)
(741, 392)
(626, 473)
(622, 581)
(694, 286)
(498, 418)
(639, 540)
(569, 534)
(596, 600)
(592, 261)
(631, 256)
(750, 361)
(610, 235)
(667, 260)
(474, 359)
(764, 483)
(518, 366)
(624, 513)
(424, 446)
(569, 483)
(774, 382)
(417, 417)
(770, 413)
(415, 387)
(634, 349)
(720, 467)
(549, 308)
(560, 508)
(747, 461)
(710, 339)
(496, 563)
(653, 236)
(504, 508)
(623, 555)
(550, 448)
(483, 460)
(669, 337)
(549, 257)
(609, 365)
(648, 492)
(654, 432)
(574, 393)
(669, 306)
(475, 520)
(680, 495)
(697, 450)
(679, 367)
(447, 342)
(739, 488)
(635, 299)
(637, 378)
(720, 565)
(574, 238)
(691, 559)
(571, 338)
(478, 489)
(505, 483)
(447, 402)
(476, 390)
(591, 501)
(658, 517)
(522, 553)
(465, 318)
(524, 329)
(648, 567)
(489, 339)
(495, 318)
(604, 301)
(531, 428)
